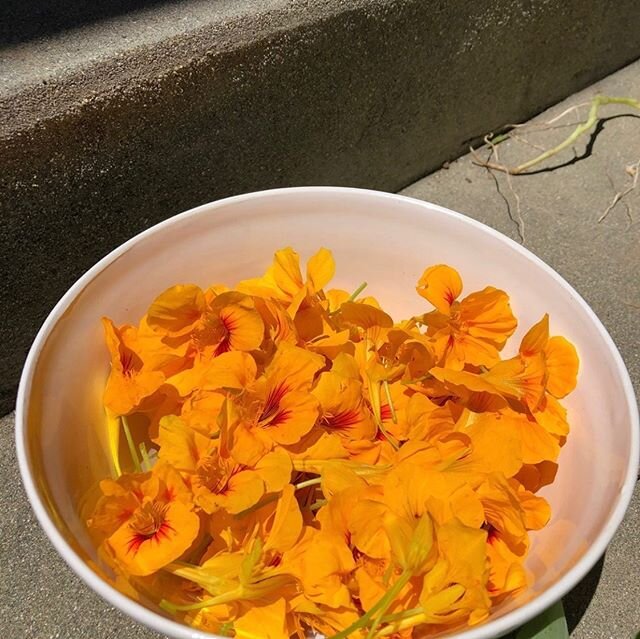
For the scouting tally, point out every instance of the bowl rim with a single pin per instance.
(493, 628)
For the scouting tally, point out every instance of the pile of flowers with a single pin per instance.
(287, 458)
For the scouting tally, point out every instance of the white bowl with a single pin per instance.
(386, 240)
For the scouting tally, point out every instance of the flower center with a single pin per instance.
(149, 522)
(149, 519)
(342, 421)
(271, 407)
(127, 362)
(216, 477)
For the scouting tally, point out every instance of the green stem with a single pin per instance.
(205, 603)
(407, 622)
(131, 444)
(383, 604)
(374, 394)
(402, 581)
(146, 462)
(398, 616)
(357, 292)
(591, 120)
(351, 298)
(387, 390)
(388, 437)
(499, 138)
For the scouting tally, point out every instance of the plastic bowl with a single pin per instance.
(386, 240)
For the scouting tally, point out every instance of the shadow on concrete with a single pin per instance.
(577, 601)
(22, 20)
(599, 128)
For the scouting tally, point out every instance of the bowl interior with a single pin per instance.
(382, 239)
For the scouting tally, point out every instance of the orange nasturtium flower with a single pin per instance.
(302, 463)
(470, 331)
(284, 282)
(342, 406)
(277, 408)
(130, 381)
(218, 323)
(207, 325)
(149, 519)
(217, 480)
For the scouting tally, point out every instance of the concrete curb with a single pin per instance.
(371, 93)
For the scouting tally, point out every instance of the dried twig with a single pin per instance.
(575, 107)
(517, 219)
(632, 170)
(519, 138)
(548, 124)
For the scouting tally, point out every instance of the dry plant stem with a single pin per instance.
(519, 138)
(553, 120)
(547, 124)
(517, 219)
(621, 194)
(626, 206)
(583, 127)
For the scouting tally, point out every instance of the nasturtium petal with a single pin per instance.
(537, 444)
(441, 285)
(181, 446)
(488, 315)
(464, 548)
(536, 339)
(286, 271)
(243, 325)
(275, 470)
(287, 524)
(552, 416)
(321, 268)
(495, 445)
(266, 621)
(175, 311)
(562, 366)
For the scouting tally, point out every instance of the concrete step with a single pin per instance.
(114, 125)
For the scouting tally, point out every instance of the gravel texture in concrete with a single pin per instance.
(41, 599)
(110, 127)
